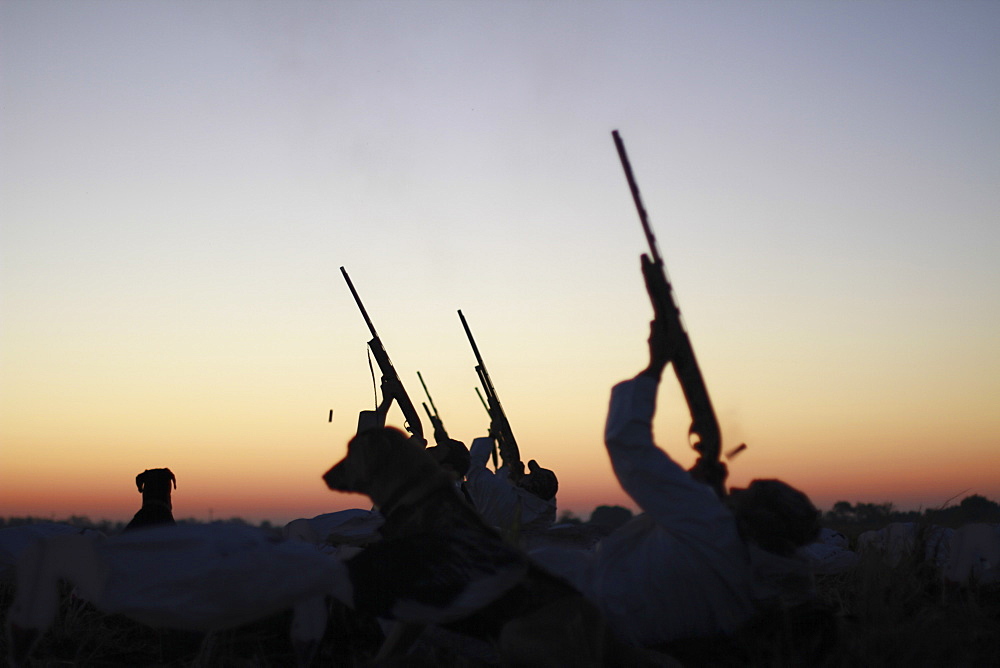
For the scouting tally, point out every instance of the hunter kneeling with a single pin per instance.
(510, 499)
(692, 565)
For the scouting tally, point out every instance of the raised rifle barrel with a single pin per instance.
(361, 306)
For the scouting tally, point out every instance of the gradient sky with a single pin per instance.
(180, 183)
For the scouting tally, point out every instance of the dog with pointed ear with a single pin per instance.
(157, 509)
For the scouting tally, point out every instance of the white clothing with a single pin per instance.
(679, 570)
(202, 577)
(829, 553)
(500, 502)
(15, 540)
(897, 540)
(974, 555)
(346, 527)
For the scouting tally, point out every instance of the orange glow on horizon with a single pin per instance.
(280, 499)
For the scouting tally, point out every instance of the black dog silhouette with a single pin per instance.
(154, 484)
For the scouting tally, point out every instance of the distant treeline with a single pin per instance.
(853, 516)
(973, 508)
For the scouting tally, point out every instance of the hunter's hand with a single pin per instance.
(652, 274)
(388, 393)
(508, 454)
(660, 349)
(440, 435)
(710, 472)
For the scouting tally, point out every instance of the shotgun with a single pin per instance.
(704, 432)
(440, 434)
(392, 386)
(499, 425)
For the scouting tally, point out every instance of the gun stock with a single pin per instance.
(392, 386)
(704, 430)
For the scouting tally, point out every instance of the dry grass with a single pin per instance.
(878, 614)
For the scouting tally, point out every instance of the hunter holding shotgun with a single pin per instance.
(392, 386)
(452, 455)
(507, 498)
(697, 562)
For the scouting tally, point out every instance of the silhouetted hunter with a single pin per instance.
(507, 498)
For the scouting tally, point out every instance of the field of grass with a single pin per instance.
(878, 614)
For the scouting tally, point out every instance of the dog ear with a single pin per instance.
(139, 481)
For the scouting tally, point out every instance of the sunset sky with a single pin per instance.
(180, 183)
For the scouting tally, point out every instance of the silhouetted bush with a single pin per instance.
(609, 518)
(857, 517)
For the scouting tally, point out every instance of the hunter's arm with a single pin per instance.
(657, 484)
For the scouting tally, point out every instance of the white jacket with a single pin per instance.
(679, 570)
(500, 502)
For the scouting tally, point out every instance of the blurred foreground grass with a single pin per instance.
(878, 614)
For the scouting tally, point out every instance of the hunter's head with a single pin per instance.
(774, 515)
(540, 482)
(453, 457)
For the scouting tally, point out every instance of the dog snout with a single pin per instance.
(337, 479)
